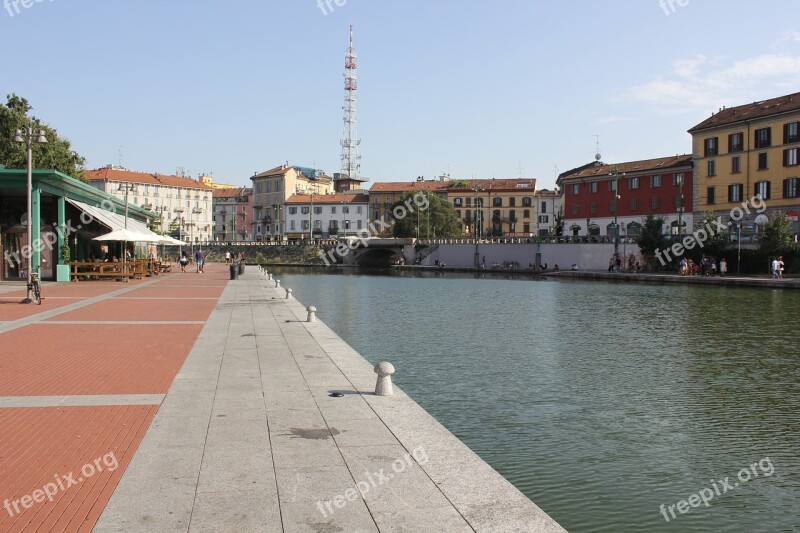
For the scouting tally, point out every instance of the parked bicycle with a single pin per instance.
(34, 289)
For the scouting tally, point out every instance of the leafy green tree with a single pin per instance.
(651, 238)
(778, 237)
(421, 213)
(714, 244)
(56, 154)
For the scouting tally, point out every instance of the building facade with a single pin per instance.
(749, 154)
(180, 205)
(383, 195)
(273, 187)
(233, 215)
(326, 216)
(597, 194)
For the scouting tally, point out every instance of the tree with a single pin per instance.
(778, 237)
(56, 154)
(715, 243)
(651, 238)
(422, 214)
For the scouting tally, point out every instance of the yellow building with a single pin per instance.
(484, 208)
(747, 157)
(208, 181)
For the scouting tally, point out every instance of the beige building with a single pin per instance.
(180, 205)
(749, 154)
(273, 187)
(208, 180)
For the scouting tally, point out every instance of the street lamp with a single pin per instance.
(125, 187)
(616, 174)
(680, 204)
(29, 136)
(197, 211)
(276, 207)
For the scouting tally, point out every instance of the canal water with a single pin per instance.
(600, 401)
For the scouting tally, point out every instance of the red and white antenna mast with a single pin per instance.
(351, 161)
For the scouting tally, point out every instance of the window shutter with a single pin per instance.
(769, 187)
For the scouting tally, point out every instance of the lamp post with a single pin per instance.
(276, 207)
(616, 174)
(197, 211)
(680, 205)
(126, 187)
(29, 136)
(476, 228)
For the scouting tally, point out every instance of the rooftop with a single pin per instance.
(328, 199)
(764, 108)
(600, 169)
(130, 176)
(231, 193)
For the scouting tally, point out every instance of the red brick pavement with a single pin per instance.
(43, 359)
(51, 445)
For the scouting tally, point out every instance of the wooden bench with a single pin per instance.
(93, 269)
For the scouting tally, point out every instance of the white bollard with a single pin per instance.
(288, 294)
(277, 284)
(312, 313)
(384, 385)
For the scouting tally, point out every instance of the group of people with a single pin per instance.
(615, 263)
(706, 267)
(777, 268)
(199, 260)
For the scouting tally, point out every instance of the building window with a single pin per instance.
(318, 210)
(612, 185)
(512, 202)
(633, 184)
(576, 188)
(710, 196)
(526, 228)
(593, 207)
(377, 215)
(358, 209)
(469, 201)
(791, 132)
(305, 224)
(762, 161)
(291, 225)
(735, 142)
(333, 210)
(712, 168)
(575, 209)
(358, 224)
(458, 202)
(763, 137)
(654, 202)
(710, 147)
(655, 181)
(593, 187)
(544, 219)
(762, 190)
(458, 213)
(526, 201)
(736, 164)
(790, 157)
(677, 179)
(526, 213)
(292, 210)
(543, 207)
(305, 210)
(735, 192)
(497, 202)
(791, 188)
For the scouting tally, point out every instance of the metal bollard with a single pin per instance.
(384, 385)
(277, 284)
(288, 294)
(312, 313)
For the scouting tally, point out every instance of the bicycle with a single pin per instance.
(34, 289)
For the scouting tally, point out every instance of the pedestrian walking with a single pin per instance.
(780, 267)
(723, 268)
(183, 261)
(774, 268)
(227, 257)
(199, 258)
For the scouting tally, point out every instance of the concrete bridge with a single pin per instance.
(374, 252)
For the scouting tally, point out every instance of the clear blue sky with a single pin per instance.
(458, 86)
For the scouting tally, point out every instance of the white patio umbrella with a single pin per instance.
(125, 236)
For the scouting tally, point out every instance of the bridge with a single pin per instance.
(372, 252)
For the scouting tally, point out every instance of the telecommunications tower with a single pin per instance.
(351, 161)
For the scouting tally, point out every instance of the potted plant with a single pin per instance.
(62, 269)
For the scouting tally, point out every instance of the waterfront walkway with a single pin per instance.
(189, 402)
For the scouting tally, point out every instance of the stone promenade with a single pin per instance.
(189, 402)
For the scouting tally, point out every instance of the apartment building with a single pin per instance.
(233, 215)
(273, 187)
(596, 194)
(746, 152)
(180, 205)
(330, 215)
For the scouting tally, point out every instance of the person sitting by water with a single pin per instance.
(555, 267)
(574, 266)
